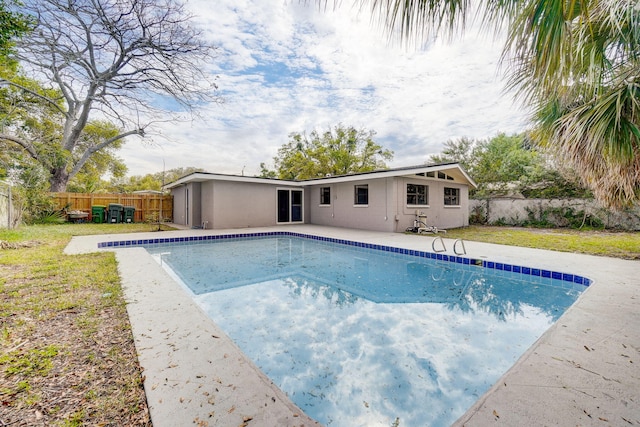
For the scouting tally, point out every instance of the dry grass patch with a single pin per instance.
(68, 357)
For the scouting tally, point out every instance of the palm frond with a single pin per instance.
(419, 20)
(574, 63)
(601, 139)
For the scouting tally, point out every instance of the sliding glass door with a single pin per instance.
(290, 206)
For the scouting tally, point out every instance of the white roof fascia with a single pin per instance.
(462, 171)
(204, 176)
(390, 173)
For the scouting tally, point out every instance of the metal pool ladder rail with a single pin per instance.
(464, 250)
(433, 244)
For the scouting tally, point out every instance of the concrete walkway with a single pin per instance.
(585, 370)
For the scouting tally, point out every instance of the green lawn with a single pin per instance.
(618, 245)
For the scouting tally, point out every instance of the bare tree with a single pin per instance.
(132, 62)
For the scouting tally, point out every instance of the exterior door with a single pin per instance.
(290, 206)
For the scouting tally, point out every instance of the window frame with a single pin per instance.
(291, 208)
(356, 201)
(416, 194)
(449, 199)
(326, 202)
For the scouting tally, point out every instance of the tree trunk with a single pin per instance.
(59, 179)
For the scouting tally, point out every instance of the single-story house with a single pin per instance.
(382, 200)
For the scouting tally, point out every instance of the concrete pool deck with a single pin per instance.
(583, 371)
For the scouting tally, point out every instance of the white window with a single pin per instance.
(451, 196)
(361, 195)
(417, 194)
(325, 195)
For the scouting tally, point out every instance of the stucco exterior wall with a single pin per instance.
(206, 207)
(195, 201)
(179, 211)
(320, 214)
(377, 215)
(226, 204)
(186, 204)
(437, 213)
(238, 204)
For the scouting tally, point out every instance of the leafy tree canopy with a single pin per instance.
(90, 177)
(151, 181)
(463, 151)
(338, 151)
(508, 163)
(13, 25)
(505, 158)
(31, 118)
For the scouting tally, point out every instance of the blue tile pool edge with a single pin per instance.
(530, 271)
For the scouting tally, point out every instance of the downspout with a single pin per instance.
(333, 205)
(396, 210)
(386, 199)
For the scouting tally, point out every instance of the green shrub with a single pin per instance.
(561, 217)
(478, 215)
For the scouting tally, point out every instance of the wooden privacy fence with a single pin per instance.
(147, 205)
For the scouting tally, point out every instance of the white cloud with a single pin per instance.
(291, 67)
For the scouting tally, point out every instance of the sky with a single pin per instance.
(286, 66)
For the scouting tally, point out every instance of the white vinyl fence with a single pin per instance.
(7, 212)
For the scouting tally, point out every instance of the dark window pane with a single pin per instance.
(361, 194)
(296, 197)
(451, 196)
(283, 206)
(296, 213)
(325, 195)
(417, 194)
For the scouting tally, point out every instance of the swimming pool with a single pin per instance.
(351, 354)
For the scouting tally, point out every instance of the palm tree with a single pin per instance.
(574, 63)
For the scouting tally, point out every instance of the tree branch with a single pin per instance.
(49, 101)
(112, 58)
(92, 150)
(21, 142)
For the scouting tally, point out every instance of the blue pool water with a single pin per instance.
(362, 337)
